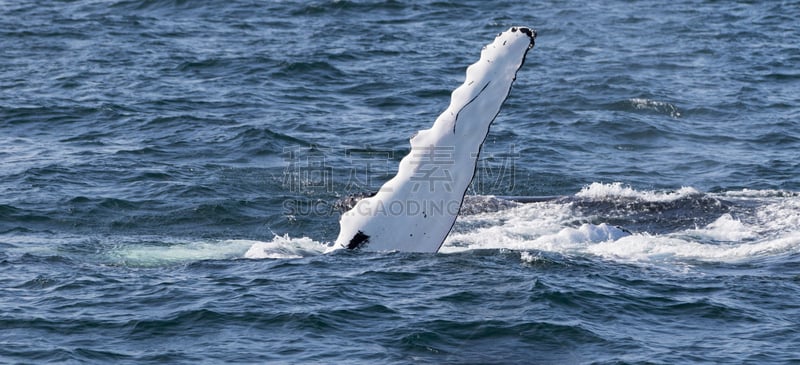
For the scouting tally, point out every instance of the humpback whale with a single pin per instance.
(415, 210)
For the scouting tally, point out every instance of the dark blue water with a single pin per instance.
(171, 173)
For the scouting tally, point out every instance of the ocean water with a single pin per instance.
(172, 173)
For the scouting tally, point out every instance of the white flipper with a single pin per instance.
(415, 210)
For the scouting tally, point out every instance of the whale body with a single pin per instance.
(415, 210)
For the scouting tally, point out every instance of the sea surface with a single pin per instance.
(172, 173)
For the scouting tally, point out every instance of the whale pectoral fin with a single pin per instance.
(360, 239)
(441, 164)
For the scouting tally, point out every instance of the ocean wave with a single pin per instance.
(312, 70)
(675, 249)
(655, 226)
(349, 7)
(616, 190)
(284, 247)
(650, 105)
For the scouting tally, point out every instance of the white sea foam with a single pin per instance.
(725, 228)
(768, 193)
(618, 190)
(772, 227)
(539, 226)
(780, 214)
(285, 247)
(656, 106)
(508, 228)
(652, 248)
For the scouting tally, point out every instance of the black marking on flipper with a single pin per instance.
(360, 239)
(531, 33)
(468, 103)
